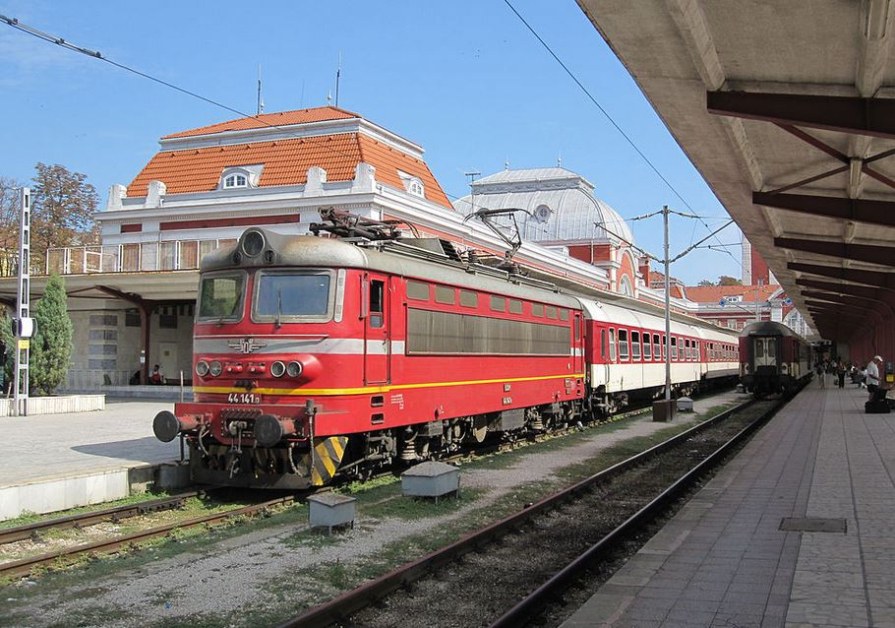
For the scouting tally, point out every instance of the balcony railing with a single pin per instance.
(129, 258)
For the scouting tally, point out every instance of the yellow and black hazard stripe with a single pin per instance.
(327, 456)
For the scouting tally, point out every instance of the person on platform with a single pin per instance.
(840, 372)
(156, 376)
(872, 376)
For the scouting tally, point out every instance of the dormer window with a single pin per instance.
(236, 181)
(240, 177)
(412, 184)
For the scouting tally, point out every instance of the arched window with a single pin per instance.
(236, 180)
(416, 188)
(240, 177)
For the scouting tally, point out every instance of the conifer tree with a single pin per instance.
(52, 343)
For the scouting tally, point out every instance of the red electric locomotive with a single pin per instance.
(312, 354)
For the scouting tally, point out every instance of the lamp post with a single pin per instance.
(662, 410)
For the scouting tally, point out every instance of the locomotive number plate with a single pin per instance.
(243, 398)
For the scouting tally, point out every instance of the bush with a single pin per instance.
(51, 346)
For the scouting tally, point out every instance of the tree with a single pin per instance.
(51, 345)
(7, 349)
(9, 225)
(725, 280)
(62, 208)
(705, 283)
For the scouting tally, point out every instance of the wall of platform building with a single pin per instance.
(107, 342)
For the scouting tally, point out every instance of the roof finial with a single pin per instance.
(260, 98)
(506, 164)
(559, 161)
(338, 76)
(329, 98)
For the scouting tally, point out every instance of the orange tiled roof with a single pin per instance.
(286, 162)
(713, 294)
(283, 118)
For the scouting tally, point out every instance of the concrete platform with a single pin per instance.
(799, 530)
(56, 461)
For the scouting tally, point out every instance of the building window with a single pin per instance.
(237, 177)
(236, 181)
(415, 187)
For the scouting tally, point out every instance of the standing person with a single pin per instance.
(872, 377)
(840, 371)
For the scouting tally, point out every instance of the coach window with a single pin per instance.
(772, 347)
(674, 348)
(687, 353)
(647, 355)
(417, 290)
(445, 295)
(623, 344)
(603, 345)
(635, 345)
(469, 298)
(657, 347)
(612, 345)
(377, 300)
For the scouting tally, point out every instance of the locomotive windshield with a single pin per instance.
(220, 297)
(291, 295)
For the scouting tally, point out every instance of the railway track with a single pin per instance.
(83, 520)
(527, 560)
(26, 566)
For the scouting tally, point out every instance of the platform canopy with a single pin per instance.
(788, 111)
(137, 288)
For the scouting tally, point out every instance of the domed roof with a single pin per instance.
(560, 204)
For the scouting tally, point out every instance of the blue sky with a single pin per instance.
(464, 79)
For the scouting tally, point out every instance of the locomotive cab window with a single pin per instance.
(220, 297)
(377, 302)
(291, 296)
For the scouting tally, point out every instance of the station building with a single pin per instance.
(132, 297)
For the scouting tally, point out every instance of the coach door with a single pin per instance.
(377, 348)
(765, 352)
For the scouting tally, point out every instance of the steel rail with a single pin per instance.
(527, 609)
(339, 609)
(114, 514)
(26, 565)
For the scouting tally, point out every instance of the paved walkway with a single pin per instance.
(50, 446)
(798, 530)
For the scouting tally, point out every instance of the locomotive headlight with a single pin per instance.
(202, 368)
(277, 369)
(215, 368)
(294, 369)
(784, 369)
(252, 243)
